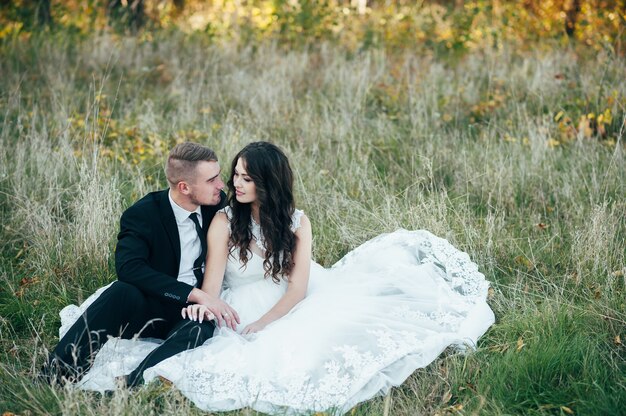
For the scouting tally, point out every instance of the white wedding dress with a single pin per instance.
(388, 307)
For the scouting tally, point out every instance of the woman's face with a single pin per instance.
(245, 189)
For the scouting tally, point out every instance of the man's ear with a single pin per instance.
(183, 187)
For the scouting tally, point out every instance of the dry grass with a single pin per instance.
(471, 151)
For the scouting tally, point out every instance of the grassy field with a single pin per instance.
(516, 158)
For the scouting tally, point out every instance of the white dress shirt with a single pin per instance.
(190, 246)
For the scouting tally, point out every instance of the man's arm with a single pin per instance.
(132, 260)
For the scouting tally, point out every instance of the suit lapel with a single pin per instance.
(169, 223)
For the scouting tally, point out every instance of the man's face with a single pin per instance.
(205, 187)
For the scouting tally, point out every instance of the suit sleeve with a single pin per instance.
(132, 261)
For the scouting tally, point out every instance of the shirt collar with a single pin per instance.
(181, 213)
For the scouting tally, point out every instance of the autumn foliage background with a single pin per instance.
(498, 125)
(354, 24)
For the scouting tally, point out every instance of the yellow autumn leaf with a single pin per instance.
(524, 261)
(446, 397)
(520, 344)
(552, 143)
(585, 127)
(567, 410)
(165, 382)
(608, 117)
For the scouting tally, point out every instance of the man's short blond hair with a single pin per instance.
(183, 159)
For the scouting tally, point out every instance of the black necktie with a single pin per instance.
(197, 264)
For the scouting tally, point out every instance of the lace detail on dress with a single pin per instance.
(456, 267)
(229, 215)
(295, 219)
(445, 319)
(461, 272)
(257, 234)
(330, 386)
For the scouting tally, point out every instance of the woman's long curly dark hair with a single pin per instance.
(269, 168)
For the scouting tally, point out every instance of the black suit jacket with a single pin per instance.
(148, 248)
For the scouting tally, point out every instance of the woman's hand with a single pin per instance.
(197, 313)
(253, 328)
(223, 313)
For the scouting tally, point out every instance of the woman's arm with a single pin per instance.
(298, 279)
(209, 296)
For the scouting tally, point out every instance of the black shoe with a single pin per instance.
(121, 382)
(134, 380)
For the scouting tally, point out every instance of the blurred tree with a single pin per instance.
(179, 5)
(126, 14)
(571, 15)
(42, 13)
(33, 14)
(359, 5)
(451, 25)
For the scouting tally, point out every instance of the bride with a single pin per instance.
(308, 338)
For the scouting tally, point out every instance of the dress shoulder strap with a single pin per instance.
(295, 219)
(229, 215)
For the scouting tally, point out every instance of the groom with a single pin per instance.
(159, 261)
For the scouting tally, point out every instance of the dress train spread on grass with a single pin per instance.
(388, 307)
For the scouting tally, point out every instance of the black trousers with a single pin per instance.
(124, 311)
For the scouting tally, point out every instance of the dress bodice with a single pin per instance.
(237, 274)
(249, 281)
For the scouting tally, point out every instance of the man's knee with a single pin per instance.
(193, 333)
(116, 312)
(123, 299)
